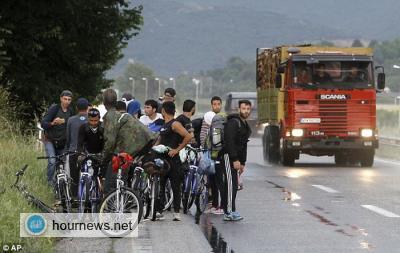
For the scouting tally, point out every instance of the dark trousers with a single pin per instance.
(111, 179)
(214, 190)
(227, 178)
(175, 175)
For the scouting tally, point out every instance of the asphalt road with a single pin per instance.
(311, 207)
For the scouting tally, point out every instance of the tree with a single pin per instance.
(357, 43)
(56, 45)
(136, 71)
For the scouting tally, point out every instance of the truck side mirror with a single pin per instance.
(381, 81)
(278, 81)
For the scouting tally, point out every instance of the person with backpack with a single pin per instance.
(216, 106)
(54, 124)
(229, 139)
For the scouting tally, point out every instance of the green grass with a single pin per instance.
(16, 151)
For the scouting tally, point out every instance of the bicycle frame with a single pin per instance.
(88, 175)
(28, 196)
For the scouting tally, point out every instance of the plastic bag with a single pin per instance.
(206, 164)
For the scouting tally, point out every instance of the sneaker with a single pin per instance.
(228, 217)
(236, 216)
(240, 187)
(159, 216)
(177, 217)
(217, 211)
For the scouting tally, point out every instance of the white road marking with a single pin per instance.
(325, 188)
(381, 211)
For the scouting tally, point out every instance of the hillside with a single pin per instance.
(189, 36)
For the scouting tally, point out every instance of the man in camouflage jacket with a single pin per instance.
(122, 133)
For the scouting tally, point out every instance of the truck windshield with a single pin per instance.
(333, 75)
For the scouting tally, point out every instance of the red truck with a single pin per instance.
(318, 101)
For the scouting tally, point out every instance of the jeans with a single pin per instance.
(51, 163)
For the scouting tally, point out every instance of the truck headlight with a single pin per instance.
(297, 132)
(367, 133)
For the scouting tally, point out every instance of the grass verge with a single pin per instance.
(15, 151)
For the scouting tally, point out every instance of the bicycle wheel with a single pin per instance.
(39, 204)
(169, 195)
(64, 196)
(154, 197)
(128, 202)
(123, 202)
(95, 196)
(84, 196)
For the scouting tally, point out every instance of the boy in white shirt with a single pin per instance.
(151, 115)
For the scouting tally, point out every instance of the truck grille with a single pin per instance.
(333, 116)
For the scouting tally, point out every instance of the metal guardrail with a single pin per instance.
(390, 141)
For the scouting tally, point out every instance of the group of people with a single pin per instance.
(124, 129)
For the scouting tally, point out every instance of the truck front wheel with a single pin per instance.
(367, 157)
(287, 157)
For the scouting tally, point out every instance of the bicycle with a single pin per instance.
(141, 184)
(195, 183)
(122, 199)
(90, 186)
(27, 195)
(62, 186)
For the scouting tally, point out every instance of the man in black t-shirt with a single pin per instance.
(189, 109)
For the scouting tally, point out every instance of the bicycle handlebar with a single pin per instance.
(19, 173)
(62, 155)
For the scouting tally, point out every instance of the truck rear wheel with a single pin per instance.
(367, 158)
(271, 144)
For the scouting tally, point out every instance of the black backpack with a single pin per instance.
(196, 124)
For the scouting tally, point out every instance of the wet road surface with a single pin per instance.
(311, 207)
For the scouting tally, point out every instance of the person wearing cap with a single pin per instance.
(55, 127)
(134, 109)
(73, 125)
(132, 105)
